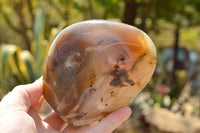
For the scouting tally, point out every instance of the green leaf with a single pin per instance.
(39, 31)
(7, 51)
(27, 65)
(14, 65)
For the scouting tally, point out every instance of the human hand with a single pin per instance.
(19, 114)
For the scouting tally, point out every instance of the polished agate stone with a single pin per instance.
(96, 67)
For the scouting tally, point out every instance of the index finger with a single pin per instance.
(112, 121)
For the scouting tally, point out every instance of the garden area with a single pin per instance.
(170, 103)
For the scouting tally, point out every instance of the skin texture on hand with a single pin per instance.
(19, 114)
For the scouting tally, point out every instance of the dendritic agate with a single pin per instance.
(96, 67)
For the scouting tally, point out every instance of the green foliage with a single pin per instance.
(39, 46)
(16, 64)
(181, 13)
(189, 37)
(22, 66)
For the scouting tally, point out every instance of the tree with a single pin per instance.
(19, 17)
(141, 9)
(182, 13)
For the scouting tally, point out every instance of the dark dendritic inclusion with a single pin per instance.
(120, 76)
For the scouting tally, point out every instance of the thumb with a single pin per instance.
(24, 96)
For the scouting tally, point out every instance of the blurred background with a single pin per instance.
(170, 103)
